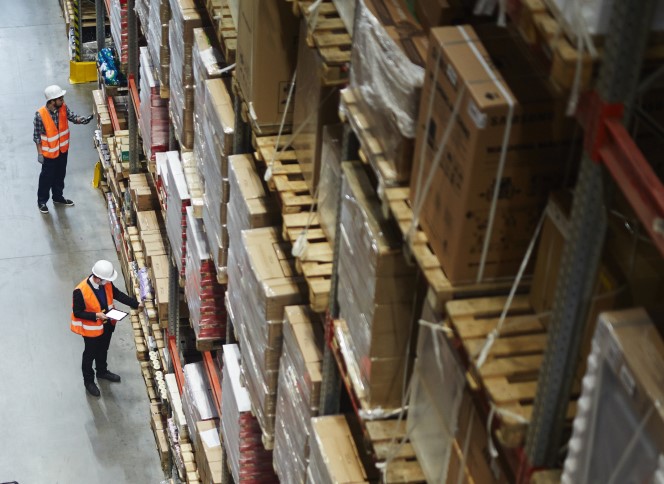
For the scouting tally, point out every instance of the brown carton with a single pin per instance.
(456, 209)
(266, 59)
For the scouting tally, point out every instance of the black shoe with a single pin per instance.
(42, 208)
(63, 201)
(92, 389)
(107, 375)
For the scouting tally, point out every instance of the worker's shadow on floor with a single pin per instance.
(106, 428)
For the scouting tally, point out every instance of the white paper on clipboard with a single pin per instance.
(115, 314)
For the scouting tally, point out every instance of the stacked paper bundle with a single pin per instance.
(197, 400)
(213, 141)
(298, 392)
(157, 36)
(154, 110)
(177, 200)
(185, 17)
(205, 296)
(262, 282)
(375, 291)
(119, 29)
(142, 8)
(249, 461)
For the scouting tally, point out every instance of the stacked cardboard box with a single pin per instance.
(119, 29)
(157, 36)
(213, 140)
(185, 17)
(298, 392)
(376, 289)
(266, 60)
(100, 109)
(387, 71)
(241, 434)
(315, 105)
(260, 284)
(208, 452)
(153, 121)
(197, 401)
(618, 431)
(205, 296)
(334, 456)
(455, 212)
(249, 206)
(177, 200)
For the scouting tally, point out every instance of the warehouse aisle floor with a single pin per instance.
(50, 429)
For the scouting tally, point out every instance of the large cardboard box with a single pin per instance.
(315, 106)
(456, 209)
(434, 13)
(266, 58)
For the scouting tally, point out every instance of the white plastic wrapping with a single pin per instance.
(205, 296)
(618, 432)
(177, 200)
(247, 458)
(153, 121)
(197, 401)
(119, 29)
(142, 8)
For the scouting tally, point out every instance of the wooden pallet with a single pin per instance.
(327, 34)
(509, 376)
(386, 437)
(226, 33)
(441, 290)
(315, 264)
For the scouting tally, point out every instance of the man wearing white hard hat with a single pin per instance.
(93, 297)
(51, 135)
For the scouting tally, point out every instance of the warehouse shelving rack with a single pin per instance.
(611, 162)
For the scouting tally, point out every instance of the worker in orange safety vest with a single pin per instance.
(92, 298)
(51, 135)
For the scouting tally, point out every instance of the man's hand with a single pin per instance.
(102, 316)
(40, 159)
(86, 119)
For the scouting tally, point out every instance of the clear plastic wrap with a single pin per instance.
(372, 264)
(153, 121)
(205, 296)
(197, 401)
(329, 185)
(346, 10)
(618, 432)
(298, 393)
(181, 41)
(177, 199)
(142, 8)
(386, 76)
(248, 460)
(114, 222)
(436, 394)
(119, 29)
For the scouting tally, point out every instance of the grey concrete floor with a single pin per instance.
(51, 431)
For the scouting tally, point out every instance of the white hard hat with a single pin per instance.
(103, 269)
(53, 92)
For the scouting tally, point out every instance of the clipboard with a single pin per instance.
(116, 314)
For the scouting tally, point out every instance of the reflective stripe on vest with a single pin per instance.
(88, 328)
(55, 140)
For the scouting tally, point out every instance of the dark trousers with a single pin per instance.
(52, 178)
(96, 349)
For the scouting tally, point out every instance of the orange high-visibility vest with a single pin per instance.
(56, 139)
(85, 327)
